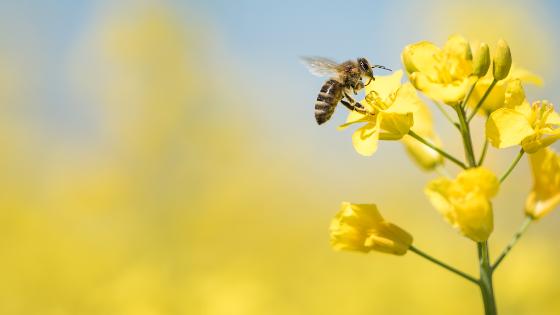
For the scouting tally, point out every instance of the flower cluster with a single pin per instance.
(491, 86)
(482, 85)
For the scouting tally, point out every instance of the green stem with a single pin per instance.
(466, 134)
(444, 265)
(528, 220)
(464, 104)
(485, 283)
(446, 114)
(438, 150)
(483, 154)
(512, 166)
(482, 99)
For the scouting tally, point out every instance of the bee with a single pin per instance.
(345, 78)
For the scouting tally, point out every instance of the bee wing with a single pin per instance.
(320, 66)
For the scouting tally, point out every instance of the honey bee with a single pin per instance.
(345, 77)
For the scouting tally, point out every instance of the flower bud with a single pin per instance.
(481, 60)
(502, 60)
(360, 227)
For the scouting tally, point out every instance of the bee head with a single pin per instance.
(366, 69)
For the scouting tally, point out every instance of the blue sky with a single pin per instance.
(262, 40)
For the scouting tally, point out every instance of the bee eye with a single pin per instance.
(364, 65)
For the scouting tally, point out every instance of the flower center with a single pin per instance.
(379, 104)
(450, 68)
(540, 112)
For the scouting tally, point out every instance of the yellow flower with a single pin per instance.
(392, 106)
(442, 74)
(545, 195)
(533, 126)
(360, 227)
(465, 201)
(497, 97)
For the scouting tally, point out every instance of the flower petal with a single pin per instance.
(389, 238)
(506, 127)
(437, 192)
(395, 125)
(475, 217)
(354, 119)
(479, 180)
(366, 138)
(406, 100)
(385, 86)
(524, 75)
(420, 57)
(545, 194)
(450, 94)
(459, 57)
(514, 95)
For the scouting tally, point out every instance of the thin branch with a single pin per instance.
(438, 150)
(512, 166)
(482, 100)
(466, 134)
(444, 265)
(446, 115)
(469, 94)
(483, 154)
(513, 241)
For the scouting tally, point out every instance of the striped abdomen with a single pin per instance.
(330, 95)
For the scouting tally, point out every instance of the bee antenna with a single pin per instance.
(381, 67)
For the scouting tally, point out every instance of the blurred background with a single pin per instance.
(161, 157)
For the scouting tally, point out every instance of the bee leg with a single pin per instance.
(353, 102)
(349, 98)
(357, 107)
(353, 105)
(359, 85)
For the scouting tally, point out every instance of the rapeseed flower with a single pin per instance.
(545, 195)
(396, 109)
(532, 126)
(391, 106)
(443, 74)
(465, 201)
(360, 227)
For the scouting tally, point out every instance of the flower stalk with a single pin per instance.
(485, 267)
(483, 154)
(466, 134)
(512, 166)
(524, 226)
(471, 116)
(485, 282)
(444, 265)
(438, 150)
